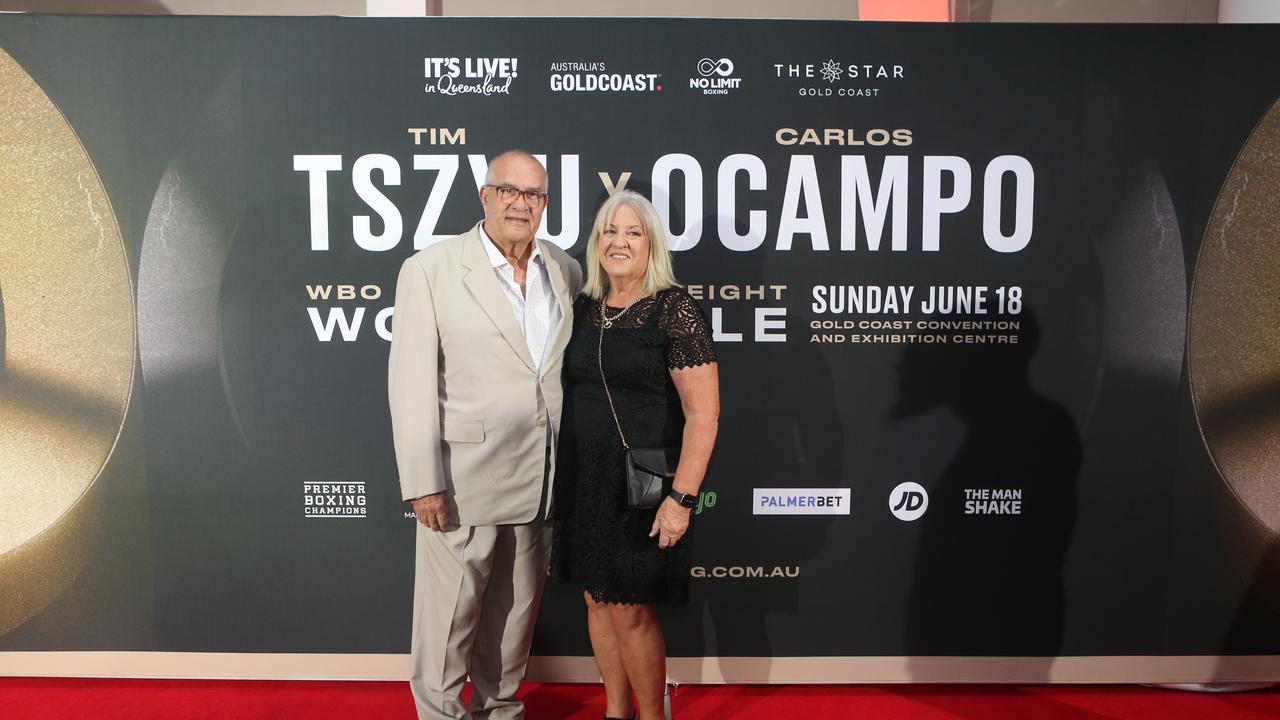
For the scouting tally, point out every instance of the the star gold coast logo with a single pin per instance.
(831, 71)
(836, 78)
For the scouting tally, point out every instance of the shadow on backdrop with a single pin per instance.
(779, 428)
(991, 583)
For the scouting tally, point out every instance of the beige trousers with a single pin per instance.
(475, 599)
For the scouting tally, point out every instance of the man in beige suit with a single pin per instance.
(480, 327)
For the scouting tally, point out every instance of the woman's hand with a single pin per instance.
(671, 523)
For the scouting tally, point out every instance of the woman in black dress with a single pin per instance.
(654, 346)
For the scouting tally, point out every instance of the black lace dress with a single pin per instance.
(600, 544)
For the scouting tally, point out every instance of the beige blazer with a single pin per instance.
(468, 409)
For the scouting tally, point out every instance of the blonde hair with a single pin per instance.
(659, 273)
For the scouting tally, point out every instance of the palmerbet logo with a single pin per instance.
(908, 501)
(715, 77)
(800, 501)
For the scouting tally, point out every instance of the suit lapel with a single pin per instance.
(482, 282)
(561, 292)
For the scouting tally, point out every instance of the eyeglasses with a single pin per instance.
(508, 194)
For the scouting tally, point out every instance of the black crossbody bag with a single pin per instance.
(649, 471)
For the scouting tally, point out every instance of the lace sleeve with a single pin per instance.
(688, 332)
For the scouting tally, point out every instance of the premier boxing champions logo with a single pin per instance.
(715, 77)
(334, 500)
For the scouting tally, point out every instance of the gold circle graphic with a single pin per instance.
(67, 333)
(1233, 339)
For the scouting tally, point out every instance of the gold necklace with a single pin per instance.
(608, 321)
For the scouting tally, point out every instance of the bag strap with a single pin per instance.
(607, 394)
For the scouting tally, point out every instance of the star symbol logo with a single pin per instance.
(831, 71)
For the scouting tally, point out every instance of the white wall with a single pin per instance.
(1248, 11)
(803, 9)
(1099, 11)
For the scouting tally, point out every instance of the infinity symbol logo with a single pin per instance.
(708, 67)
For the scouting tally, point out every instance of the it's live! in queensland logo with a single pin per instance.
(470, 75)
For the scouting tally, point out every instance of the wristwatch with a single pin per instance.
(688, 500)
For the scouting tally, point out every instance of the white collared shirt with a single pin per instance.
(535, 309)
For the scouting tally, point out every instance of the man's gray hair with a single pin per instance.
(513, 152)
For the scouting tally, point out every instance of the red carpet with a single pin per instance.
(48, 699)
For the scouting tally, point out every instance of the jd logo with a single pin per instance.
(908, 501)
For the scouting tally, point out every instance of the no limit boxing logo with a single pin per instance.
(908, 501)
(715, 77)
(708, 67)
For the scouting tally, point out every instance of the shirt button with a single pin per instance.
(542, 422)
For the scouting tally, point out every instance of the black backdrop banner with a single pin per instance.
(995, 308)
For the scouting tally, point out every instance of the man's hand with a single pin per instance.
(431, 511)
